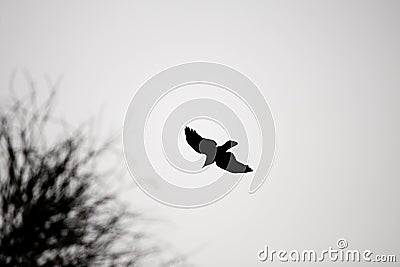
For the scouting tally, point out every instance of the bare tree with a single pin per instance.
(53, 212)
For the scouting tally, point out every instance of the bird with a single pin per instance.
(214, 153)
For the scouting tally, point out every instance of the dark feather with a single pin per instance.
(227, 161)
(193, 139)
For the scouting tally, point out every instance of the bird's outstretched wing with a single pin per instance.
(228, 162)
(193, 139)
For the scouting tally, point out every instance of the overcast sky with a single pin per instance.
(330, 71)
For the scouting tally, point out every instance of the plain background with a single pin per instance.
(330, 71)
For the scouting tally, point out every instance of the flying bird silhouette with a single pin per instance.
(218, 154)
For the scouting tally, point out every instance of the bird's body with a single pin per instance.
(218, 154)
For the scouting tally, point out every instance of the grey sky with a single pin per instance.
(330, 71)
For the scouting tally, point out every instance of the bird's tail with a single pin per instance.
(248, 169)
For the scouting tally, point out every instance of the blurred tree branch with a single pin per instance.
(52, 211)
